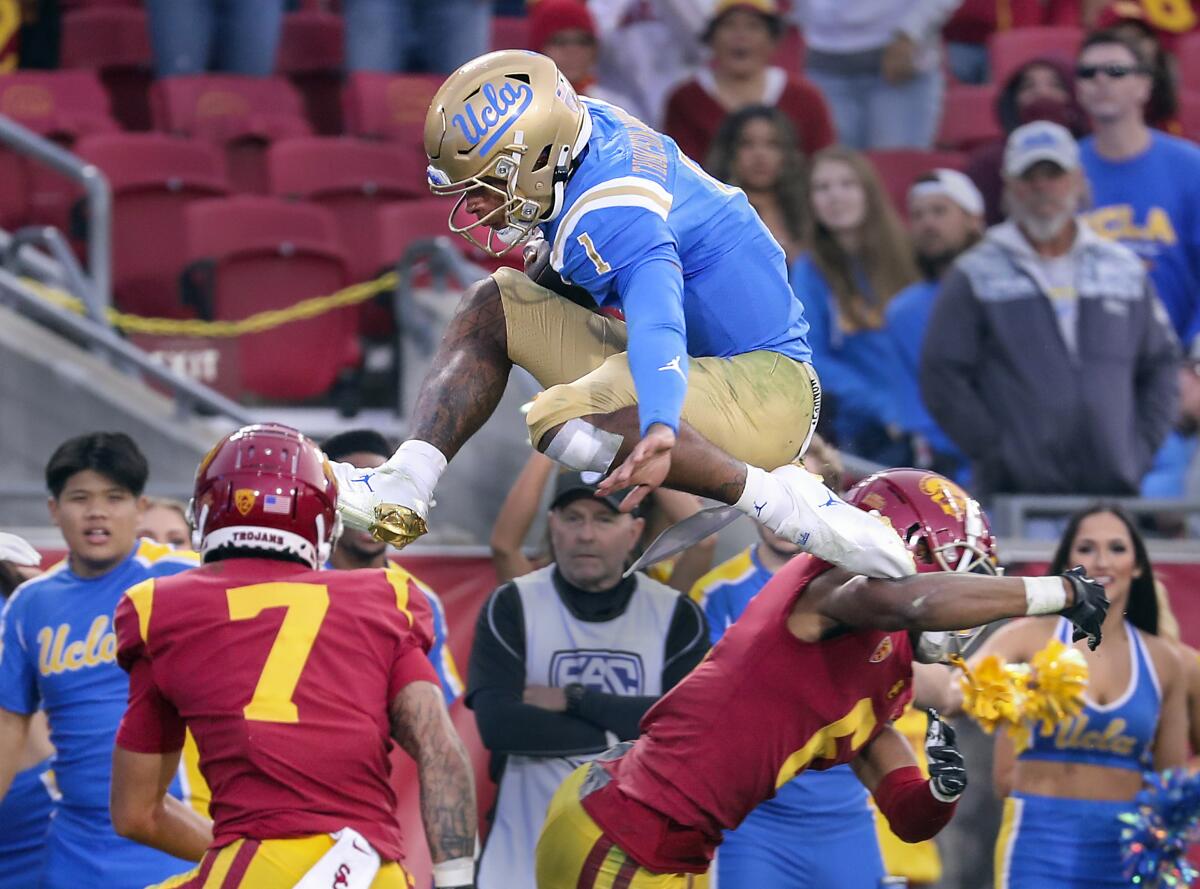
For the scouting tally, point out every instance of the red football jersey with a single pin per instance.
(761, 709)
(284, 676)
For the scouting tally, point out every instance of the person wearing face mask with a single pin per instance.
(1048, 359)
(1134, 717)
(566, 660)
(858, 258)
(58, 654)
(1040, 89)
(756, 150)
(354, 550)
(741, 37)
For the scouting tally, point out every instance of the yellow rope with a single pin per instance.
(256, 323)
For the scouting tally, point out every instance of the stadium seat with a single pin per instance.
(510, 32)
(899, 167)
(241, 114)
(404, 223)
(352, 178)
(114, 41)
(388, 106)
(251, 254)
(63, 106)
(968, 117)
(312, 55)
(1009, 50)
(1187, 55)
(153, 177)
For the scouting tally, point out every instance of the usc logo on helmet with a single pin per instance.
(950, 497)
(243, 499)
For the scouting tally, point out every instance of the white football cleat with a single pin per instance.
(825, 525)
(384, 502)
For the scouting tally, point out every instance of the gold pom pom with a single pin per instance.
(993, 692)
(1060, 680)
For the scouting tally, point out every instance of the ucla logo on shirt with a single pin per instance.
(492, 113)
(1117, 222)
(1075, 735)
(612, 672)
(57, 655)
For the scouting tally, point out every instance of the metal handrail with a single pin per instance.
(99, 204)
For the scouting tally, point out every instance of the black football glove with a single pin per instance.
(1089, 607)
(947, 769)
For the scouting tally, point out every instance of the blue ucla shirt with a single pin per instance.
(24, 820)
(1151, 204)
(686, 258)
(812, 797)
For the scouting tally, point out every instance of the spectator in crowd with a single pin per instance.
(1042, 89)
(1166, 22)
(1162, 108)
(741, 37)
(1047, 359)
(1139, 711)
(165, 521)
(232, 36)
(858, 258)
(1145, 184)
(647, 47)
(878, 63)
(565, 662)
(755, 150)
(565, 31)
(415, 35)
(25, 811)
(367, 449)
(524, 500)
(58, 653)
(1176, 471)
(945, 218)
(974, 21)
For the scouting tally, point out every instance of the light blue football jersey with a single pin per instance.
(58, 654)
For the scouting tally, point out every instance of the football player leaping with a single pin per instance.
(817, 666)
(706, 385)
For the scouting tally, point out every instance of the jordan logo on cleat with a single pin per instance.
(364, 480)
(758, 508)
(832, 501)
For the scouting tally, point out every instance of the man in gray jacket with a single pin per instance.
(1048, 358)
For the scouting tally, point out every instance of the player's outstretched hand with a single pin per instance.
(1088, 606)
(644, 469)
(947, 769)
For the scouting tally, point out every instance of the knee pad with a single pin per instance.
(583, 447)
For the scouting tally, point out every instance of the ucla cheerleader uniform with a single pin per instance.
(1049, 842)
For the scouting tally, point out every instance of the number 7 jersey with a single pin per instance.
(284, 676)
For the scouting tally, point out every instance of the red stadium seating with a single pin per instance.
(388, 106)
(510, 32)
(1187, 55)
(352, 178)
(899, 167)
(968, 117)
(265, 253)
(61, 105)
(403, 223)
(1009, 50)
(241, 114)
(1189, 114)
(312, 55)
(115, 41)
(154, 177)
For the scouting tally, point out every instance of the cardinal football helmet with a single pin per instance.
(510, 123)
(266, 487)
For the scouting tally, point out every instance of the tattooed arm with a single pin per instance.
(421, 725)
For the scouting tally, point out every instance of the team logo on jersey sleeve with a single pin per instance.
(882, 651)
(243, 499)
(612, 672)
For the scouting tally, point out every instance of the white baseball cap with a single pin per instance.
(1038, 141)
(951, 184)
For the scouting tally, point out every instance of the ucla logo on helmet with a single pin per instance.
(495, 109)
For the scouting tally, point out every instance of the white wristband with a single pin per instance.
(455, 872)
(1044, 595)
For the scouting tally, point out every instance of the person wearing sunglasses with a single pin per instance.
(1145, 183)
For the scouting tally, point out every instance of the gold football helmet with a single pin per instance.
(508, 122)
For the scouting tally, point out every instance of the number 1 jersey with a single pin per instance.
(284, 676)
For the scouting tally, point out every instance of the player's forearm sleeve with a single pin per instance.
(652, 298)
(912, 811)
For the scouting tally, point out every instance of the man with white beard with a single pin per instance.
(1049, 359)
